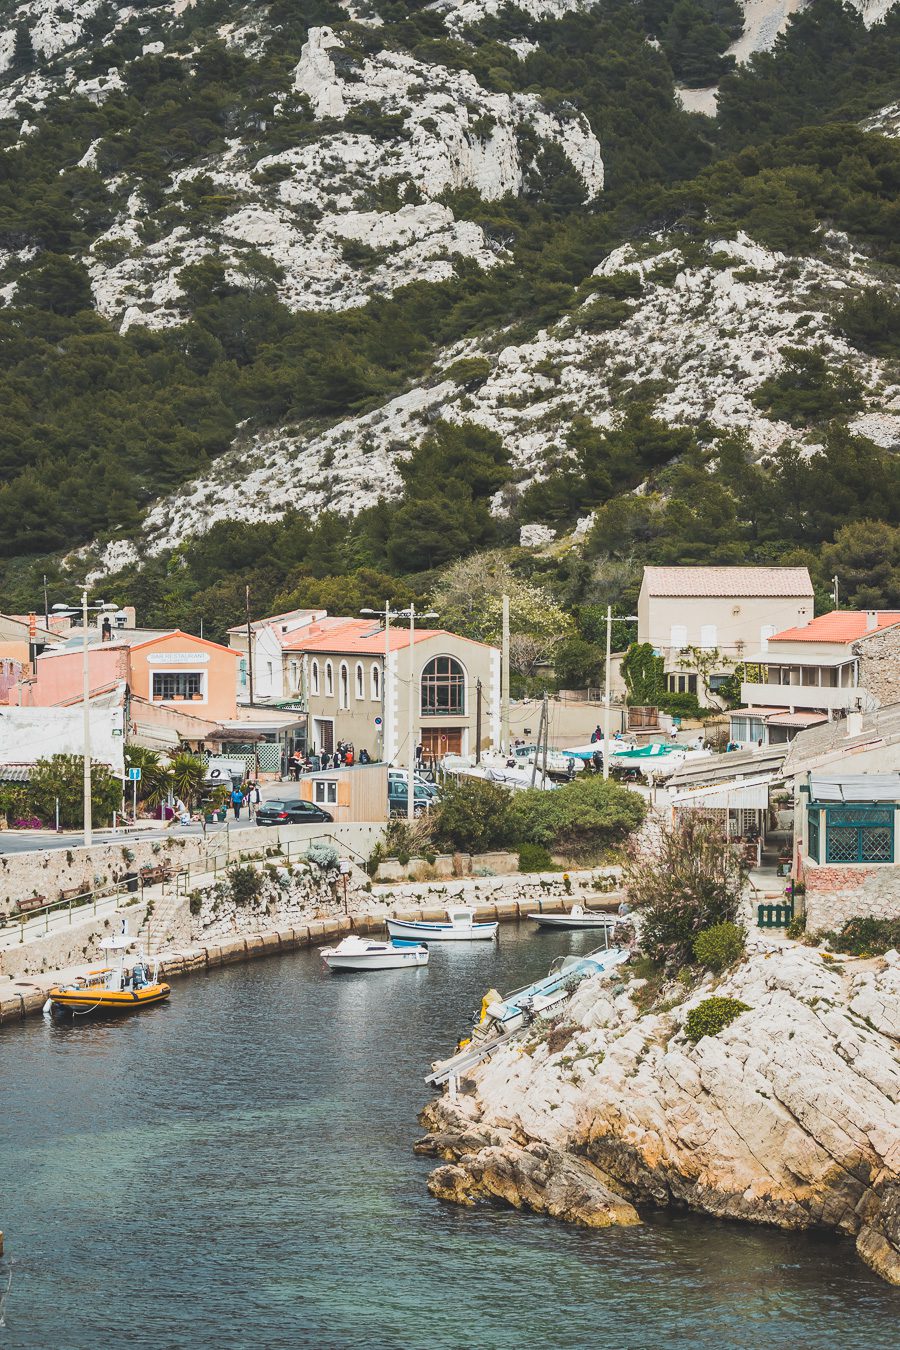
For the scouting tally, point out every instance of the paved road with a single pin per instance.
(28, 841)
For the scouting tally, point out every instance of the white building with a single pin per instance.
(731, 612)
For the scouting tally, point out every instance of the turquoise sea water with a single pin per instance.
(234, 1170)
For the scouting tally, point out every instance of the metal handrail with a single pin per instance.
(83, 901)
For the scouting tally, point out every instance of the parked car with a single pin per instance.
(426, 796)
(291, 813)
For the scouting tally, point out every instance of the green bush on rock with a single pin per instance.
(720, 946)
(711, 1016)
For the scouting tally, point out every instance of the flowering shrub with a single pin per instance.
(28, 823)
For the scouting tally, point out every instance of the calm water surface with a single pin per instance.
(235, 1170)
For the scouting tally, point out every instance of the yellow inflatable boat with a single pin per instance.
(110, 989)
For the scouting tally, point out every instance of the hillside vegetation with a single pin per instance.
(366, 361)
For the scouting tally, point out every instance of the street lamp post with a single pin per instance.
(411, 714)
(609, 619)
(85, 699)
(387, 614)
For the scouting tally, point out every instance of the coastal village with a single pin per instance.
(260, 803)
(450, 674)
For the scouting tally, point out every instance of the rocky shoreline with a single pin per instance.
(788, 1116)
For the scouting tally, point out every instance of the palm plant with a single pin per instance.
(187, 773)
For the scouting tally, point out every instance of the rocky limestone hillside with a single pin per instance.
(789, 1116)
(696, 341)
(250, 254)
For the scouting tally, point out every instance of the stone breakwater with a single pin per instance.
(789, 1116)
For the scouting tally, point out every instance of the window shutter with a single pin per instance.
(343, 795)
(708, 636)
(678, 635)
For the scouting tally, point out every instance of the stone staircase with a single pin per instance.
(157, 931)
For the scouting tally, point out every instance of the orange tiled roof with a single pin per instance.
(361, 637)
(841, 625)
(766, 582)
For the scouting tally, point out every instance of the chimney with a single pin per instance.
(106, 631)
(854, 723)
(871, 620)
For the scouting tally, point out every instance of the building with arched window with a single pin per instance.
(371, 710)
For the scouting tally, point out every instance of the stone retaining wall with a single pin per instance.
(67, 946)
(835, 894)
(49, 871)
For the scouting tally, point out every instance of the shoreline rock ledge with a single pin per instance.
(788, 1116)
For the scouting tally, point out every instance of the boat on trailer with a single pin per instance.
(459, 926)
(578, 917)
(361, 953)
(110, 989)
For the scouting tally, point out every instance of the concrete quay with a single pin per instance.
(25, 996)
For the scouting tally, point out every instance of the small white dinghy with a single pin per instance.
(577, 918)
(360, 953)
(460, 926)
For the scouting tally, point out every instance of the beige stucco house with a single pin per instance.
(355, 682)
(730, 611)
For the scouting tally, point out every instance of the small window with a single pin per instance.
(376, 684)
(325, 791)
(315, 677)
(360, 681)
(329, 678)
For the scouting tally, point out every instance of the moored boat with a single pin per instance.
(577, 917)
(110, 989)
(459, 926)
(359, 953)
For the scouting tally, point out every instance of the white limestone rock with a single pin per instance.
(790, 1115)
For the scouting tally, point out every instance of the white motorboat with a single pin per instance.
(577, 917)
(361, 953)
(460, 926)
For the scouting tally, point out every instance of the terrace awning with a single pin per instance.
(727, 796)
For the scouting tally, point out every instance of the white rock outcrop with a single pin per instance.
(789, 1116)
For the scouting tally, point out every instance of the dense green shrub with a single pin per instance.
(246, 884)
(60, 779)
(871, 320)
(581, 818)
(711, 1016)
(535, 858)
(806, 390)
(867, 936)
(720, 946)
(472, 816)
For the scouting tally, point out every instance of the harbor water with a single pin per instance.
(235, 1169)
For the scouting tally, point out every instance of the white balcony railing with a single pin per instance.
(801, 697)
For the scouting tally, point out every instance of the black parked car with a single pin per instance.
(291, 813)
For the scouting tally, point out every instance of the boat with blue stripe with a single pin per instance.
(459, 926)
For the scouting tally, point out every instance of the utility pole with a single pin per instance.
(504, 680)
(86, 707)
(249, 645)
(478, 722)
(606, 692)
(387, 704)
(546, 712)
(46, 605)
(411, 729)
(539, 742)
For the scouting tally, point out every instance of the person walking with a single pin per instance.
(254, 797)
(237, 801)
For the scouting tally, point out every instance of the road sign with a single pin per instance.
(133, 775)
(378, 721)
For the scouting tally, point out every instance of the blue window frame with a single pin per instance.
(859, 833)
